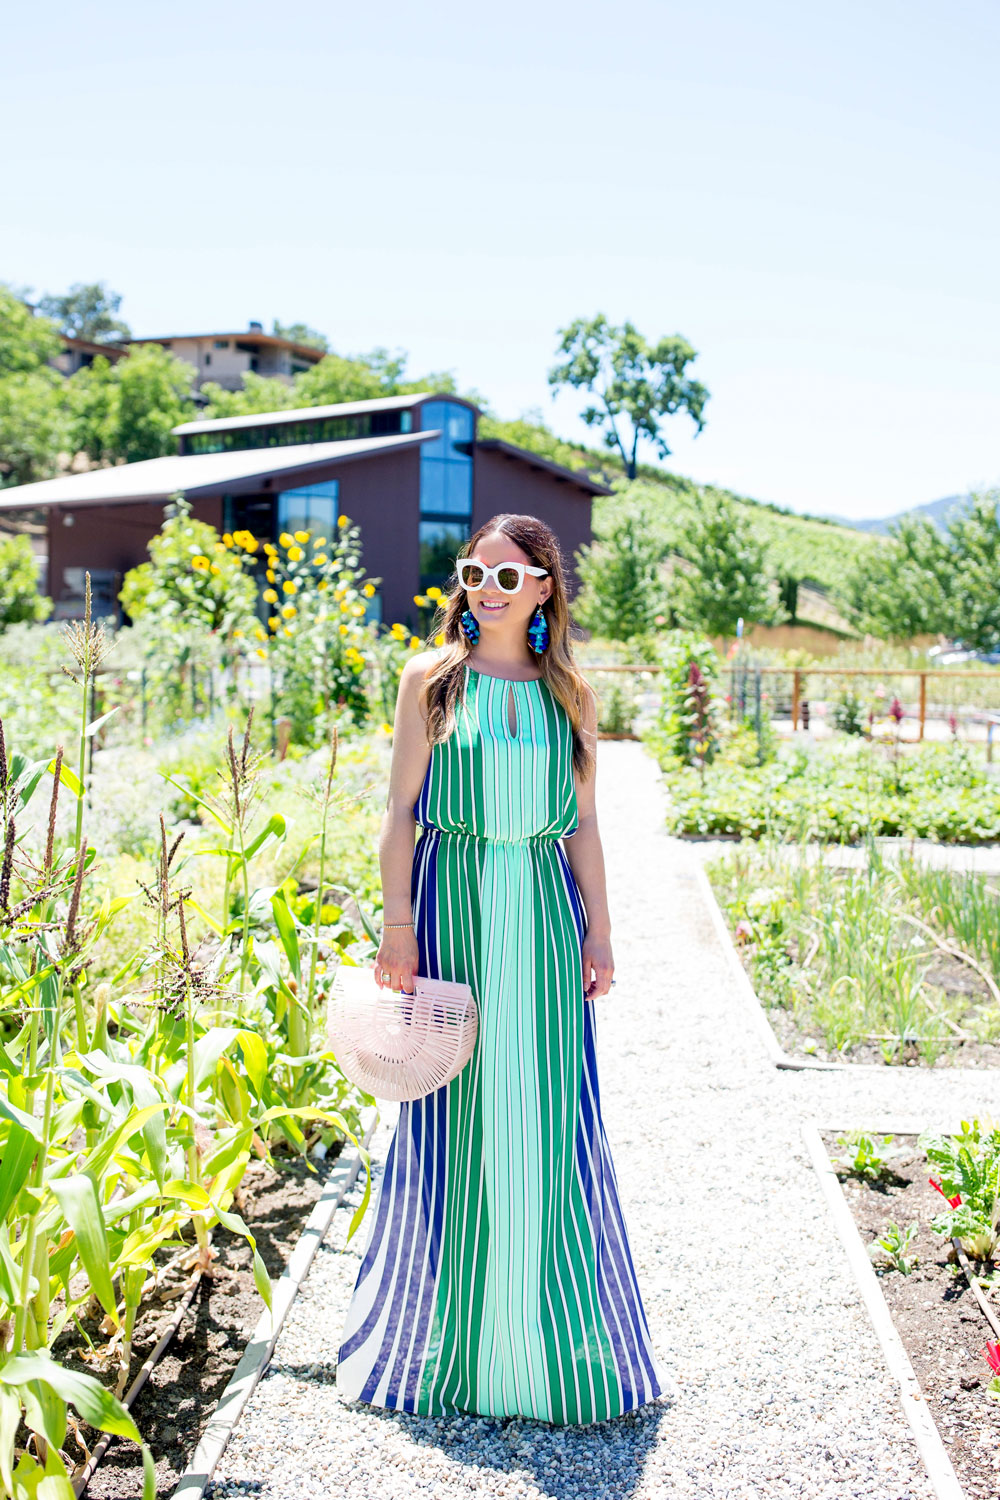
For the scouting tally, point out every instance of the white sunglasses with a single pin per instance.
(507, 577)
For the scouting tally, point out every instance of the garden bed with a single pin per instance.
(182, 1391)
(882, 964)
(933, 1309)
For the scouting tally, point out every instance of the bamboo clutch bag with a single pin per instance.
(395, 1045)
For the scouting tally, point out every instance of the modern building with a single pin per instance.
(227, 357)
(76, 354)
(410, 470)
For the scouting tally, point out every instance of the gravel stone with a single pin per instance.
(781, 1385)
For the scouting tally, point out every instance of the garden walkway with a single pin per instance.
(782, 1387)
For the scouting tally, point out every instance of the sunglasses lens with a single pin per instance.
(472, 576)
(509, 579)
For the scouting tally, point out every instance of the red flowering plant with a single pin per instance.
(969, 1180)
(991, 1353)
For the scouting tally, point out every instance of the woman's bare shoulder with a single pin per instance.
(419, 664)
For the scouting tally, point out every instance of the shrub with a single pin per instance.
(19, 596)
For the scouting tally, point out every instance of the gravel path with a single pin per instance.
(782, 1386)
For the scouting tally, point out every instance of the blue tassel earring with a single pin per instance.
(470, 627)
(538, 632)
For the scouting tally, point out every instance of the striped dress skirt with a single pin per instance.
(497, 1277)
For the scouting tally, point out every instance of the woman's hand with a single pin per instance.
(598, 966)
(397, 959)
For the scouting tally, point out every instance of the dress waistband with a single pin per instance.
(482, 838)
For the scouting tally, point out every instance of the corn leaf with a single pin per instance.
(77, 1197)
(273, 829)
(18, 1154)
(10, 1417)
(44, 1411)
(93, 1401)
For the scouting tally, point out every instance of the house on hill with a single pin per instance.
(227, 357)
(410, 470)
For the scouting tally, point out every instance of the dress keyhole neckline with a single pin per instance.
(513, 711)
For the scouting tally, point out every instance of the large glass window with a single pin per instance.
(439, 544)
(310, 430)
(445, 489)
(313, 507)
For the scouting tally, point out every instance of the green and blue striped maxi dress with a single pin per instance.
(497, 1276)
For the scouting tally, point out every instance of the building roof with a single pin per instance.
(90, 346)
(244, 336)
(536, 461)
(314, 413)
(159, 478)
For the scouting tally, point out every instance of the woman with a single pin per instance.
(497, 1277)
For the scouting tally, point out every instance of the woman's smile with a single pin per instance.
(493, 605)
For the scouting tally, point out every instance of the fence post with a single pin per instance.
(796, 697)
(923, 704)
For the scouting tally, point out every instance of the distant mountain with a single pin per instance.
(937, 511)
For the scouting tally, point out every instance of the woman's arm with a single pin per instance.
(586, 858)
(398, 954)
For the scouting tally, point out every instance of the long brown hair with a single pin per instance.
(444, 681)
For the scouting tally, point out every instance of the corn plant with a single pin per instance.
(130, 1108)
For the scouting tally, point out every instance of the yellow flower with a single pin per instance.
(290, 586)
(215, 568)
(399, 631)
(323, 584)
(270, 549)
(270, 575)
(288, 630)
(344, 606)
(260, 634)
(420, 600)
(288, 611)
(286, 540)
(270, 596)
(342, 629)
(386, 728)
(319, 559)
(262, 652)
(343, 520)
(273, 621)
(339, 593)
(368, 590)
(302, 536)
(227, 538)
(439, 639)
(319, 541)
(295, 553)
(237, 634)
(250, 542)
(414, 642)
(357, 609)
(219, 547)
(434, 593)
(200, 563)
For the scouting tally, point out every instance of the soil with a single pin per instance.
(184, 1387)
(954, 1051)
(946, 974)
(935, 1312)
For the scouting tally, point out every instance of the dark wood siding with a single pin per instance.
(503, 483)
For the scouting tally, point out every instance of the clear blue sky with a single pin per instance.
(808, 194)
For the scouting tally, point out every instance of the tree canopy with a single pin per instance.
(924, 581)
(300, 333)
(635, 384)
(727, 576)
(87, 311)
(127, 409)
